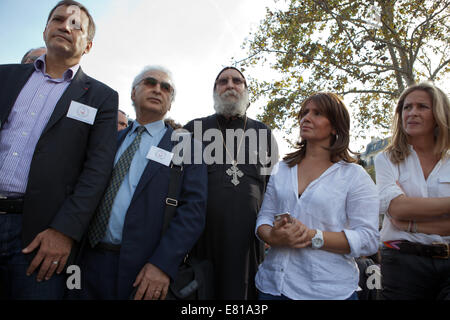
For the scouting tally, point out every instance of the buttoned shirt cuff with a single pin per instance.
(354, 241)
(260, 222)
(386, 196)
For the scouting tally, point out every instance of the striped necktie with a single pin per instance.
(98, 226)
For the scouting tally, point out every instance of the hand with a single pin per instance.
(153, 283)
(53, 247)
(291, 234)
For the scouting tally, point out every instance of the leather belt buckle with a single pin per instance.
(445, 246)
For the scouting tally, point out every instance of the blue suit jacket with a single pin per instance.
(141, 238)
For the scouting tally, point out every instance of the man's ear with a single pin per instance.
(43, 34)
(88, 47)
(133, 94)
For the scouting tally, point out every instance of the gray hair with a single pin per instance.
(231, 109)
(145, 70)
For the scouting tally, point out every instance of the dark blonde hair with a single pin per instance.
(334, 109)
(398, 148)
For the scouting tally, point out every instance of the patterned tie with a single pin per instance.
(98, 226)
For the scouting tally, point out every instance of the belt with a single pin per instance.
(438, 250)
(108, 247)
(11, 205)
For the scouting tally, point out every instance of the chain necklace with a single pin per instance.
(233, 171)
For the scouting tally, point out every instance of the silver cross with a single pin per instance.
(235, 172)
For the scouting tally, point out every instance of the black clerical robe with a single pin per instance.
(229, 240)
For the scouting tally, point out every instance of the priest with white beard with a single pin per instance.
(237, 179)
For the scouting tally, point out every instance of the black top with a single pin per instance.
(229, 239)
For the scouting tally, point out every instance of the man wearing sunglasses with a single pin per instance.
(124, 240)
(235, 188)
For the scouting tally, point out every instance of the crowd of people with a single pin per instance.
(81, 184)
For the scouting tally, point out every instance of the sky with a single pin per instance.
(193, 39)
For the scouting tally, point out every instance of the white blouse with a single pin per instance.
(343, 198)
(410, 176)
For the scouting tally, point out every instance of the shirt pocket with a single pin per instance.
(444, 185)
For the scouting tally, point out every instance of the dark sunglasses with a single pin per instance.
(224, 81)
(165, 86)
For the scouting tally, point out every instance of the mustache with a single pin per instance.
(231, 108)
(230, 92)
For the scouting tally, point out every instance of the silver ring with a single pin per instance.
(55, 262)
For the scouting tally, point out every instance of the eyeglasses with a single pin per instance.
(152, 82)
(224, 81)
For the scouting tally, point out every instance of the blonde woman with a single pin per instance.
(413, 180)
(333, 206)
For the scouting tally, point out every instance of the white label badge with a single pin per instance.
(160, 155)
(82, 112)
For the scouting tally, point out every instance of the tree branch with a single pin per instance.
(390, 93)
(433, 76)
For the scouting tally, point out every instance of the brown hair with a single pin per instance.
(334, 109)
(91, 27)
(398, 148)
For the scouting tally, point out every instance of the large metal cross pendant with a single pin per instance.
(235, 172)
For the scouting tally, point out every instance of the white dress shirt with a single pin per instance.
(343, 198)
(410, 176)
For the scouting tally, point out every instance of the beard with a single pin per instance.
(227, 108)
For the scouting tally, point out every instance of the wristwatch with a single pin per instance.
(317, 240)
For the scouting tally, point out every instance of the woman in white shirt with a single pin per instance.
(413, 180)
(333, 206)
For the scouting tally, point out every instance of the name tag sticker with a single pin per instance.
(160, 155)
(82, 112)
